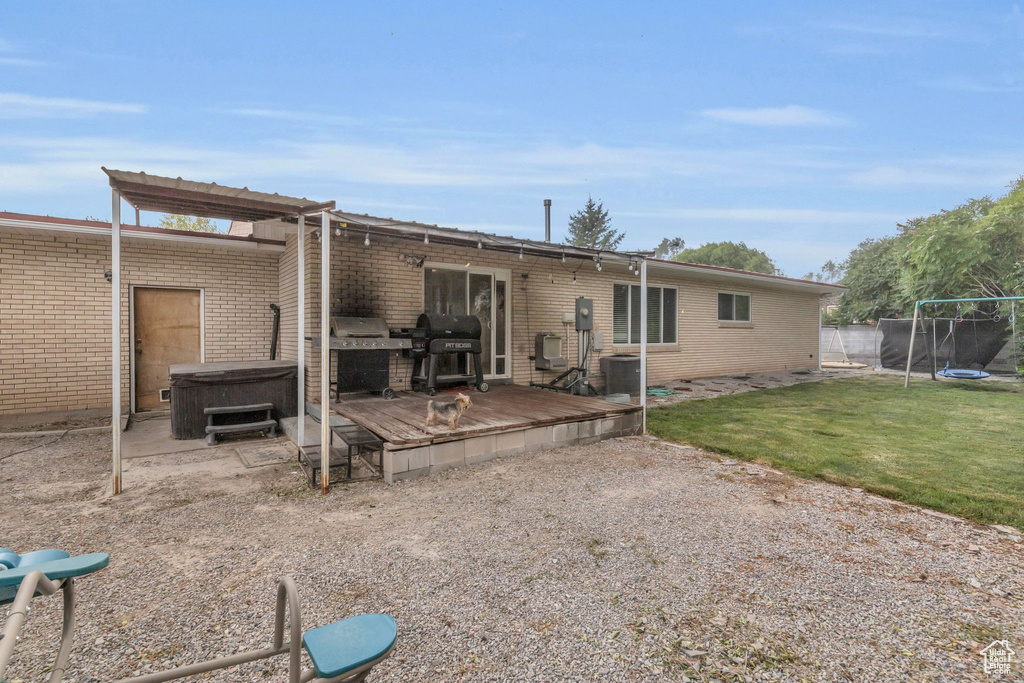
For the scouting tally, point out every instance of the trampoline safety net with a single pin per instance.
(968, 344)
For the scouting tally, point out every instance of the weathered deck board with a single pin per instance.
(401, 421)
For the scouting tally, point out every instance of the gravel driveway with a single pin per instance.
(628, 560)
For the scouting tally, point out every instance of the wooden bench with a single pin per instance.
(267, 424)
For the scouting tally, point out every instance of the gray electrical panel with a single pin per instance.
(584, 314)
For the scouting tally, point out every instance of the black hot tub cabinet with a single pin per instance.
(214, 385)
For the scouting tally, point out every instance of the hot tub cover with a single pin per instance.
(201, 374)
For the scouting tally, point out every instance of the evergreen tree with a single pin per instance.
(590, 227)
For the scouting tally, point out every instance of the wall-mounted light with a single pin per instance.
(563, 256)
(520, 252)
(631, 266)
(316, 235)
(337, 232)
(109, 276)
(426, 238)
(599, 265)
(366, 240)
(479, 244)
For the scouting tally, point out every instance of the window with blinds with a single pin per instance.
(662, 309)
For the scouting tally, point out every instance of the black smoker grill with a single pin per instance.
(447, 335)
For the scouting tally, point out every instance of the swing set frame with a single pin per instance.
(917, 317)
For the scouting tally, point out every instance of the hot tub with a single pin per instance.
(213, 385)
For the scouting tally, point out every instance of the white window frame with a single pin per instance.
(750, 307)
(506, 275)
(629, 316)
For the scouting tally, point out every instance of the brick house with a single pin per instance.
(55, 303)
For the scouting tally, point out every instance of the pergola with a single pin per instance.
(185, 197)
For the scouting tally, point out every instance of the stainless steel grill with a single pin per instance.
(360, 334)
(363, 349)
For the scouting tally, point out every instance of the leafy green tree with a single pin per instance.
(669, 247)
(830, 272)
(173, 221)
(970, 251)
(872, 273)
(730, 255)
(974, 250)
(590, 227)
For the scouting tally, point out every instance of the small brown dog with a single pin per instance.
(449, 411)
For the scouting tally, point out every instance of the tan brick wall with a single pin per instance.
(55, 312)
(376, 281)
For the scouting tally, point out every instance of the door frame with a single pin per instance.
(482, 270)
(131, 331)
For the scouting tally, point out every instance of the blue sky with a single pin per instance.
(798, 127)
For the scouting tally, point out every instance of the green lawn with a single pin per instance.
(952, 446)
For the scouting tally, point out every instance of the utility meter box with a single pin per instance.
(584, 314)
(548, 352)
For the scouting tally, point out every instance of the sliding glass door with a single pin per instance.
(480, 292)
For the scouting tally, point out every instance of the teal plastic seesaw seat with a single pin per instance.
(350, 643)
(57, 565)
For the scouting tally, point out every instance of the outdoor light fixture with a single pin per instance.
(337, 232)
(631, 266)
(366, 240)
(520, 252)
(109, 276)
(479, 244)
(563, 256)
(599, 265)
(426, 238)
(316, 235)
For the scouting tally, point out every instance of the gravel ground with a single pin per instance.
(628, 560)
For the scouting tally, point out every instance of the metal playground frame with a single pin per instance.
(925, 302)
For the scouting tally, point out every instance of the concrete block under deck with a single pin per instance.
(406, 463)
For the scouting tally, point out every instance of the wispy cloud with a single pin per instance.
(385, 124)
(964, 84)
(22, 106)
(890, 29)
(294, 115)
(964, 173)
(20, 61)
(465, 164)
(767, 215)
(792, 115)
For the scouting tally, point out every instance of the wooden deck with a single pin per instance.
(400, 421)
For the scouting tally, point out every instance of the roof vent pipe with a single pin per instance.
(547, 220)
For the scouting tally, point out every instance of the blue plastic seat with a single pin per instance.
(350, 643)
(55, 564)
(10, 559)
